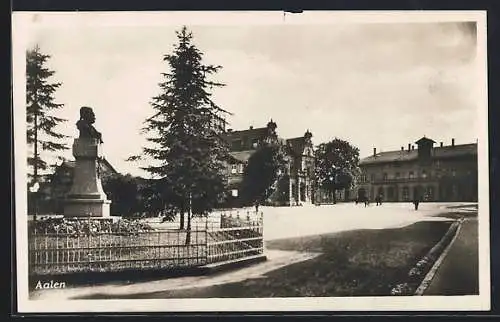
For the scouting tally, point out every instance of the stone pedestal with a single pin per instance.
(86, 197)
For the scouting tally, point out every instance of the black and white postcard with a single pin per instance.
(251, 161)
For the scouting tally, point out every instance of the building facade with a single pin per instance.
(427, 173)
(294, 186)
(301, 169)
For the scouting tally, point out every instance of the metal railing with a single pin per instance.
(238, 237)
(224, 237)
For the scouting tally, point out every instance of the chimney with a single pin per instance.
(402, 148)
(441, 144)
(413, 147)
(374, 151)
(409, 147)
(229, 130)
(453, 142)
(251, 127)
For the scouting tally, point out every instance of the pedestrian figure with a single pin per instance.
(415, 203)
(256, 206)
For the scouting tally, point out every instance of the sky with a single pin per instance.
(380, 85)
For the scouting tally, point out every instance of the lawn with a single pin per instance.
(353, 263)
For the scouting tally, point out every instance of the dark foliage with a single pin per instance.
(40, 105)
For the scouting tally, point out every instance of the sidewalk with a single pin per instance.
(458, 273)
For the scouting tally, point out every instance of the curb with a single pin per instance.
(144, 275)
(233, 264)
(430, 274)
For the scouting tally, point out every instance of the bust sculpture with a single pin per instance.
(84, 125)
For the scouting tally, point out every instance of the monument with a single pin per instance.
(86, 197)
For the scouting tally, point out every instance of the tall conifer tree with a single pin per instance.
(185, 133)
(40, 105)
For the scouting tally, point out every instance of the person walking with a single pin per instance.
(416, 201)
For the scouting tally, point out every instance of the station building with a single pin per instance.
(427, 172)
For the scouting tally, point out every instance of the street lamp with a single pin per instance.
(34, 189)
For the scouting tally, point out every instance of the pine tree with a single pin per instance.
(185, 133)
(39, 105)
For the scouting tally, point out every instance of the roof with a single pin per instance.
(260, 132)
(425, 140)
(242, 156)
(296, 144)
(438, 153)
(247, 137)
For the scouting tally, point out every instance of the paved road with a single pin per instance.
(458, 273)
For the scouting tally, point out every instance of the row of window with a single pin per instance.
(409, 175)
(239, 144)
(427, 193)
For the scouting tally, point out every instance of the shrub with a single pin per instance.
(402, 289)
(80, 227)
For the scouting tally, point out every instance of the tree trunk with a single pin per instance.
(181, 214)
(35, 165)
(188, 234)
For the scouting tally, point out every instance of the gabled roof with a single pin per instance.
(259, 133)
(425, 140)
(242, 156)
(438, 153)
(297, 145)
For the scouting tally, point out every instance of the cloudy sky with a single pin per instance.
(378, 85)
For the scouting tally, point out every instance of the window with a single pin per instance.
(385, 176)
(424, 174)
(241, 167)
(255, 143)
(429, 193)
(372, 177)
(234, 192)
(410, 175)
(234, 168)
(397, 175)
(390, 193)
(406, 194)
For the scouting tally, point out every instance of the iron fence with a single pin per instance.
(217, 238)
(237, 237)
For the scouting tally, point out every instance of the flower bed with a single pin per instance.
(422, 267)
(83, 227)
